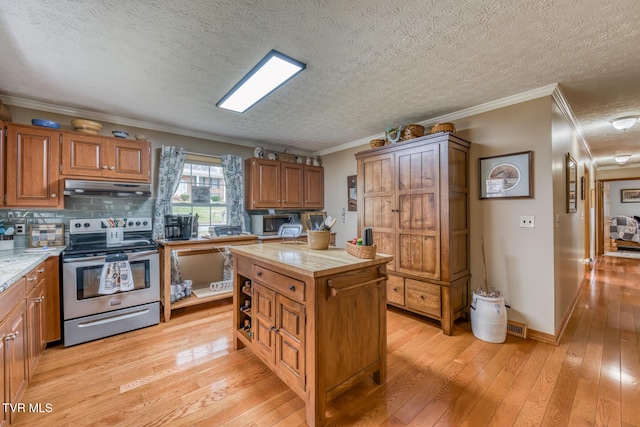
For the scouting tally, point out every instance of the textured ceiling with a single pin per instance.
(370, 63)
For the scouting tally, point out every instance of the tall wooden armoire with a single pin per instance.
(415, 196)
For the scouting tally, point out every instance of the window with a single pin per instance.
(202, 192)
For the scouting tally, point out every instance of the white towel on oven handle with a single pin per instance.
(116, 276)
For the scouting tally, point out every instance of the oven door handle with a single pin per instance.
(131, 257)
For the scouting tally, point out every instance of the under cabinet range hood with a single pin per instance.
(86, 188)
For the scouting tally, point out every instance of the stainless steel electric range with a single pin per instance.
(92, 310)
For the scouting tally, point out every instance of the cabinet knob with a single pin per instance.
(112, 167)
(54, 195)
(273, 328)
(12, 336)
(32, 279)
(421, 296)
(42, 270)
(105, 167)
(259, 274)
(395, 289)
(292, 288)
(39, 300)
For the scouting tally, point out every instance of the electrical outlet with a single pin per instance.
(527, 222)
(19, 228)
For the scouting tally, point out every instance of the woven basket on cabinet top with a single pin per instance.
(365, 252)
(443, 127)
(375, 143)
(412, 131)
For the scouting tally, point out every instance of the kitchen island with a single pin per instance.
(316, 318)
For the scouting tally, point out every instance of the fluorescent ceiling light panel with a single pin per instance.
(273, 71)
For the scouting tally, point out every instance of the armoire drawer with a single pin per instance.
(423, 296)
(395, 290)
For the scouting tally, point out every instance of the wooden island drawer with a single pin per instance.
(423, 297)
(284, 285)
(395, 290)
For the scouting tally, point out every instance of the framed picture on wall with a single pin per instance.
(572, 183)
(506, 177)
(352, 198)
(630, 195)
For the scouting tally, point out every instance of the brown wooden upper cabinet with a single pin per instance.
(313, 187)
(33, 157)
(94, 157)
(276, 184)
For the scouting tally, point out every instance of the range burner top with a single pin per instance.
(89, 237)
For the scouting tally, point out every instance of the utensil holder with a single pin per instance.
(318, 239)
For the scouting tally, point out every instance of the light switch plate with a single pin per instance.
(527, 222)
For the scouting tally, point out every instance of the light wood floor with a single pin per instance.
(186, 372)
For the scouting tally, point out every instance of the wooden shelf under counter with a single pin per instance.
(197, 245)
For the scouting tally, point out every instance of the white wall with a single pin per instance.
(520, 261)
(616, 207)
(568, 231)
(337, 167)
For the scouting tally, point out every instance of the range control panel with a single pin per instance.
(97, 225)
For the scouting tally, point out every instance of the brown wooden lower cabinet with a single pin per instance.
(13, 329)
(52, 309)
(29, 324)
(317, 319)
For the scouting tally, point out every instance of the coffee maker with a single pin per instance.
(177, 227)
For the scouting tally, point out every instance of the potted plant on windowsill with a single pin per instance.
(488, 310)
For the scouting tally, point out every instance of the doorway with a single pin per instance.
(609, 204)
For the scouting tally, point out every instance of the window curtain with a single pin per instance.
(233, 178)
(232, 170)
(169, 173)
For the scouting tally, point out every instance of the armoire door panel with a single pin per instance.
(419, 212)
(377, 212)
(458, 167)
(379, 173)
(419, 255)
(418, 170)
(458, 252)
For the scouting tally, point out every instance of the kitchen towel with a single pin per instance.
(115, 275)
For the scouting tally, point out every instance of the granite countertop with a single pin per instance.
(309, 262)
(18, 262)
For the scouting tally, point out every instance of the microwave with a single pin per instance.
(264, 225)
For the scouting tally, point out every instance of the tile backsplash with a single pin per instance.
(78, 207)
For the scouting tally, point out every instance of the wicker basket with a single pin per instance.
(411, 131)
(366, 252)
(287, 157)
(375, 143)
(443, 127)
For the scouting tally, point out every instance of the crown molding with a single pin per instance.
(101, 117)
(567, 112)
(478, 109)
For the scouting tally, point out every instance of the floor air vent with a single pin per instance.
(517, 329)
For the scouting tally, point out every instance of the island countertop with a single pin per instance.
(308, 262)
